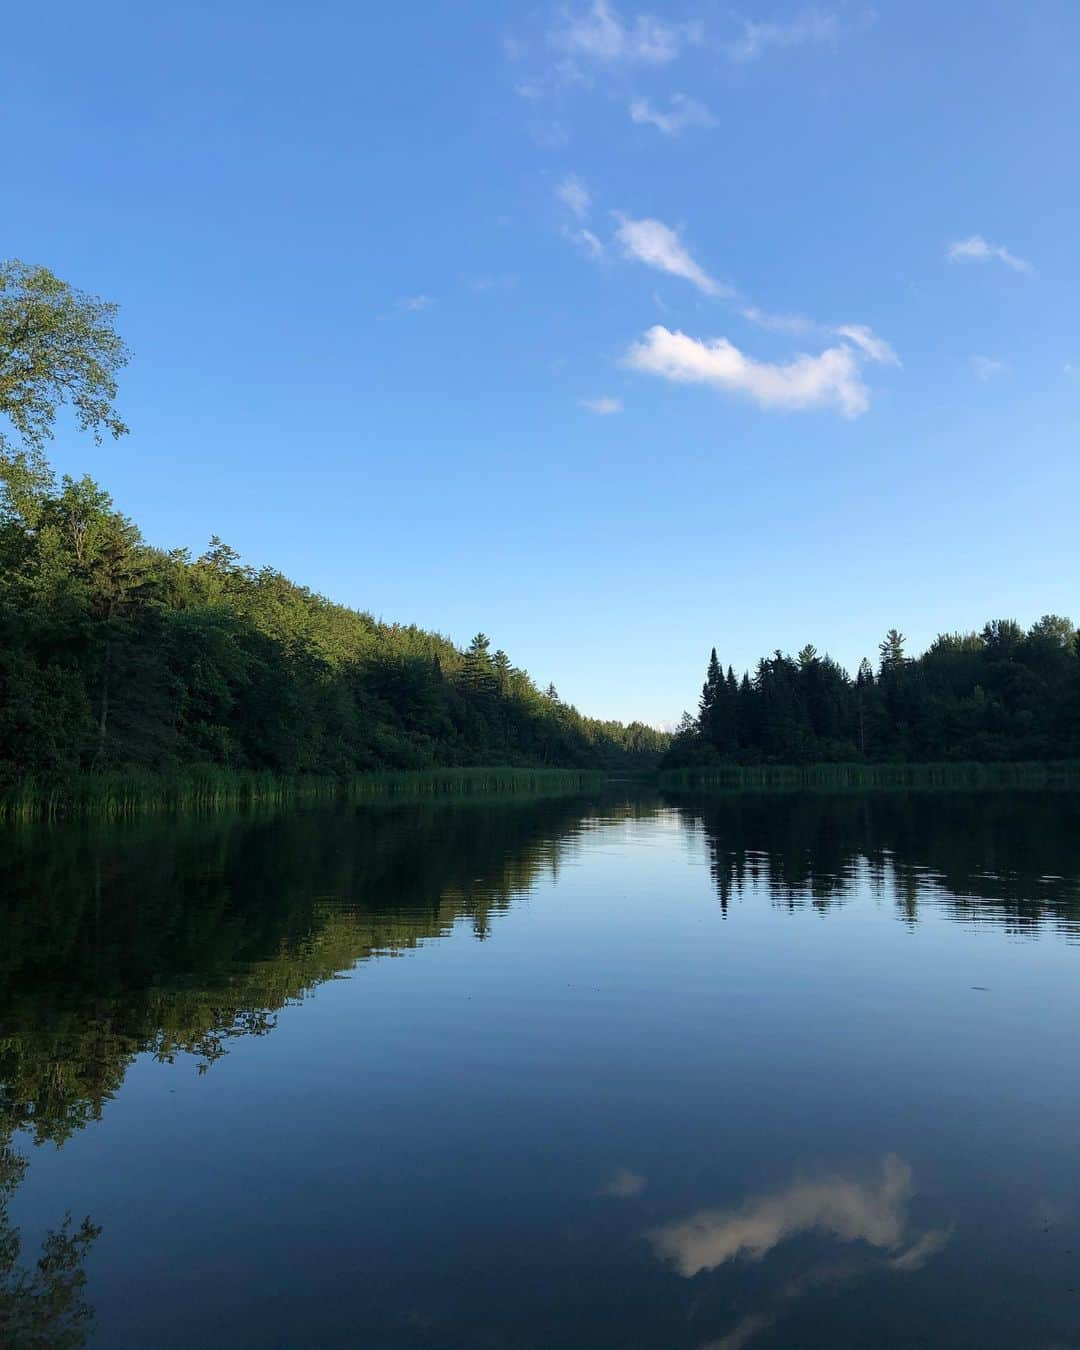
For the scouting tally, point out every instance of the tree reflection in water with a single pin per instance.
(172, 938)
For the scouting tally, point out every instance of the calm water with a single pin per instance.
(626, 1071)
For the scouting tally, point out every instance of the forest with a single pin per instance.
(118, 655)
(1000, 694)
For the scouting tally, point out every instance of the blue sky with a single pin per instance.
(613, 332)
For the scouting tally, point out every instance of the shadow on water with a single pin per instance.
(172, 938)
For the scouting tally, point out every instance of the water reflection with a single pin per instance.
(41, 1305)
(874, 1212)
(624, 1185)
(176, 940)
(1010, 857)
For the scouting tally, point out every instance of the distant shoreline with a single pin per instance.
(1048, 774)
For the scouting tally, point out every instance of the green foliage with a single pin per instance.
(131, 664)
(57, 346)
(1000, 695)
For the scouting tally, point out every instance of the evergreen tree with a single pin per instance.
(1000, 693)
(711, 692)
(892, 651)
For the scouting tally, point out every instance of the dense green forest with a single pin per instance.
(1000, 694)
(116, 654)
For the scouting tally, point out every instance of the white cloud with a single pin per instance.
(657, 245)
(985, 368)
(685, 112)
(599, 34)
(414, 303)
(574, 195)
(779, 323)
(603, 406)
(811, 26)
(624, 1185)
(871, 346)
(860, 335)
(1072, 370)
(850, 1211)
(591, 246)
(832, 379)
(976, 249)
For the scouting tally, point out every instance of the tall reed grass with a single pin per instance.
(118, 795)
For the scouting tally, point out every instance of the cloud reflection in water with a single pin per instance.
(846, 1210)
(850, 1211)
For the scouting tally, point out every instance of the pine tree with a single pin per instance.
(731, 694)
(892, 651)
(477, 674)
(500, 663)
(711, 692)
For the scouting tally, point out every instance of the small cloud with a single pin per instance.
(588, 242)
(832, 379)
(986, 369)
(593, 40)
(1071, 369)
(811, 26)
(599, 34)
(574, 195)
(779, 323)
(684, 112)
(860, 335)
(976, 249)
(624, 1185)
(506, 282)
(603, 407)
(871, 346)
(413, 304)
(657, 245)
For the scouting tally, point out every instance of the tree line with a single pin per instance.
(118, 655)
(1003, 693)
(115, 654)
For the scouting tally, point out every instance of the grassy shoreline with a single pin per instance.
(119, 795)
(771, 777)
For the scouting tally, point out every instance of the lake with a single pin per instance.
(619, 1070)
